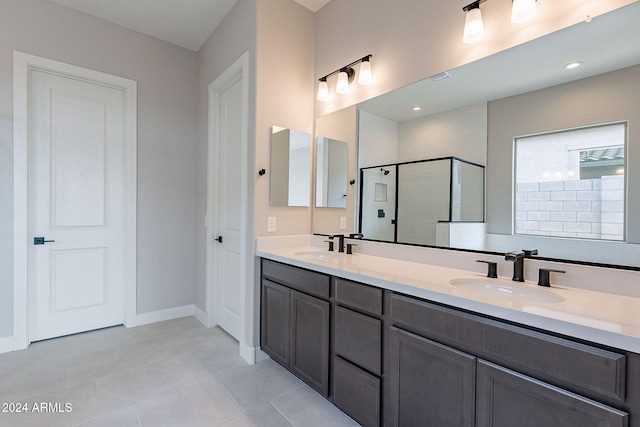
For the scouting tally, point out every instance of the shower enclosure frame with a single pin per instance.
(396, 167)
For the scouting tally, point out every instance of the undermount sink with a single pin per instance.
(506, 290)
(320, 254)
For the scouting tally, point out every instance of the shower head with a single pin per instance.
(385, 171)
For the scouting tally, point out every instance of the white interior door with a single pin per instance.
(76, 200)
(229, 244)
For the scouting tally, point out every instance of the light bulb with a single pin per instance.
(342, 86)
(364, 77)
(473, 26)
(323, 91)
(523, 11)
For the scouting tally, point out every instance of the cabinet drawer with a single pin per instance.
(553, 359)
(306, 281)
(358, 296)
(358, 338)
(357, 393)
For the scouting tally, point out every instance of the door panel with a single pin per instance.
(73, 288)
(77, 140)
(78, 161)
(230, 302)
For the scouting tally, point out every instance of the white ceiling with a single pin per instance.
(186, 23)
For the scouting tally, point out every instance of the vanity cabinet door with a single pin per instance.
(429, 384)
(274, 322)
(506, 398)
(310, 323)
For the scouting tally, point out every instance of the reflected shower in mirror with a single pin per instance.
(290, 167)
(331, 173)
(408, 202)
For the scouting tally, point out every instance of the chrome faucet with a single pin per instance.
(517, 258)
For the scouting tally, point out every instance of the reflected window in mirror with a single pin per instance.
(571, 183)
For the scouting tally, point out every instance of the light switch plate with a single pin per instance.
(343, 223)
(271, 224)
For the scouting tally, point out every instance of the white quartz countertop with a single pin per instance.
(599, 317)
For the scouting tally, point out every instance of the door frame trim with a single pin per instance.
(23, 64)
(239, 70)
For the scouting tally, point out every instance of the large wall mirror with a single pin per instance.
(586, 211)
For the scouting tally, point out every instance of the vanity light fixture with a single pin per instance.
(473, 25)
(365, 78)
(346, 75)
(323, 90)
(416, 108)
(521, 11)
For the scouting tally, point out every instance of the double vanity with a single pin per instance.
(392, 342)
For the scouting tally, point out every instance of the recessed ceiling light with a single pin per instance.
(417, 108)
(572, 65)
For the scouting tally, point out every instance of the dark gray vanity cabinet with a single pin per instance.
(390, 359)
(454, 368)
(295, 321)
(357, 359)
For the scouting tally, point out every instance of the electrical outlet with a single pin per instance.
(343, 223)
(271, 224)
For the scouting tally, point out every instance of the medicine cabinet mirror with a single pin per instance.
(290, 167)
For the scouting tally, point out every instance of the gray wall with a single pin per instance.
(166, 139)
(233, 37)
(411, 40)
(606, 98)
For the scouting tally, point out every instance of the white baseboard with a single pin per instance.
(166, 314)
(6, 344)
(200, 315)
(248, 353)
(252, 355)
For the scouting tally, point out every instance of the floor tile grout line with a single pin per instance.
(281, 413)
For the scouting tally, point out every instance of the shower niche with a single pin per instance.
(422, 202)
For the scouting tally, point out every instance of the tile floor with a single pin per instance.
(173, 373)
